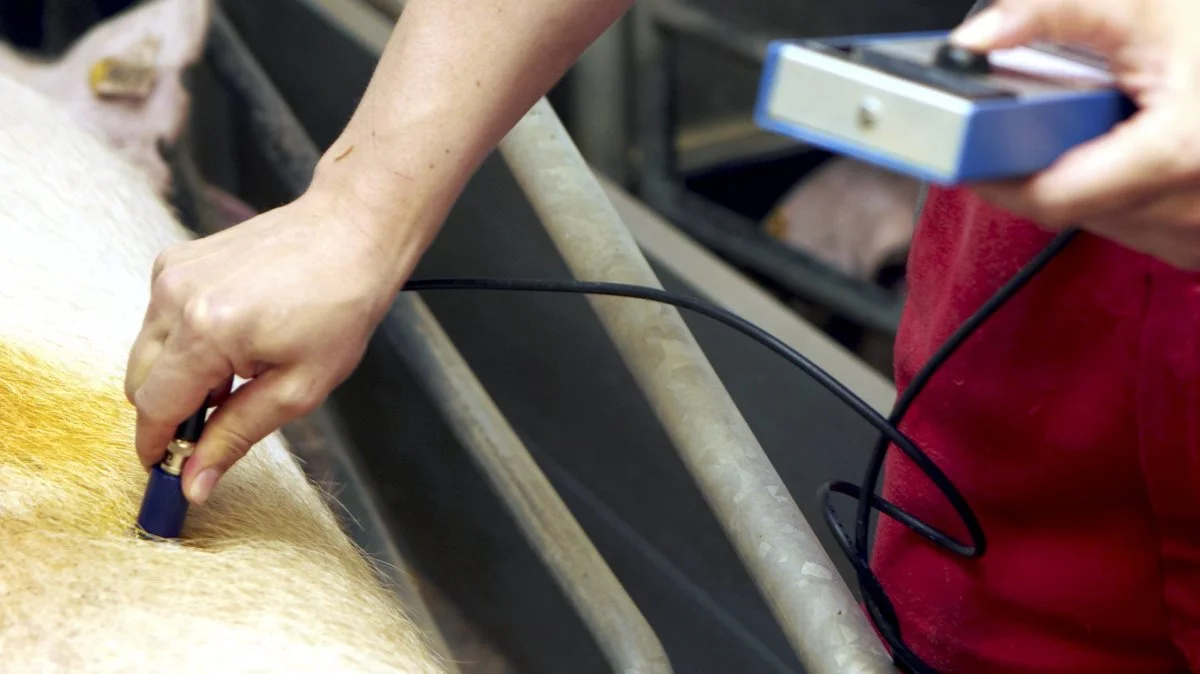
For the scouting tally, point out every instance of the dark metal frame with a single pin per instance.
(658, 181)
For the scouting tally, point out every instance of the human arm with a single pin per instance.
(1139, 184)
(289, 298)
(455, 77)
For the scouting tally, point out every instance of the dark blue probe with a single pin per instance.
(164, 506)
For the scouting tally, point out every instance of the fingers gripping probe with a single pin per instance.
(164, 506)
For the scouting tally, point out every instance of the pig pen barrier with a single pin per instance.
(809, 599)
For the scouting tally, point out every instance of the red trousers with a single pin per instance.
(1071, 423)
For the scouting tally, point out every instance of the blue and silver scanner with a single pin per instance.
(911, 104)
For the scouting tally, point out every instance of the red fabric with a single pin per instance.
(1071, 423)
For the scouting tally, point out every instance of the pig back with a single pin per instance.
(264, 579)
(79, 231)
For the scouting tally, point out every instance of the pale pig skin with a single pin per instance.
(80, 228)
(79, 231)
(68, 195)
(855, 217)
(133, 128)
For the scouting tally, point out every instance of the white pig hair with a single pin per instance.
(265, 579)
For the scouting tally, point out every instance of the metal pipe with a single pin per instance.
(811, 601)
(621, 631)
(389, 8)
(623, 634)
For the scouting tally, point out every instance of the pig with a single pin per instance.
(263, 579)
(121, 81)
(856, 217)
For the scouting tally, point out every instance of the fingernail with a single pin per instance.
(980, 31)
(203, 485)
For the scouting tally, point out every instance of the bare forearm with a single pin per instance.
(453, 79)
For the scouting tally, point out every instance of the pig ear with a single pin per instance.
(180, 28)
(170, 32)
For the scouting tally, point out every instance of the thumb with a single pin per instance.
(254, 411)
(1012, 23)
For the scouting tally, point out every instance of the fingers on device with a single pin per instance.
(912, 104)
(164, 506)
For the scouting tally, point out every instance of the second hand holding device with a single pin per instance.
(915, 105)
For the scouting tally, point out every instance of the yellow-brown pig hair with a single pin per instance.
(263, 580)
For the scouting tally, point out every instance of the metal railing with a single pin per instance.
(776, 543)
(622, 632)
(810, 600)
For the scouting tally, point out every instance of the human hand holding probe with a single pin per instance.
(1139, 184)
(164, 506)
(288, 299)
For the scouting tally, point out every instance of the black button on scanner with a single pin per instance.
(958, 60)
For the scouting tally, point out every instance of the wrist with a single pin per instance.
(398, 211)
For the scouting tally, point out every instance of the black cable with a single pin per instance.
(699, 306)
(878, 605)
